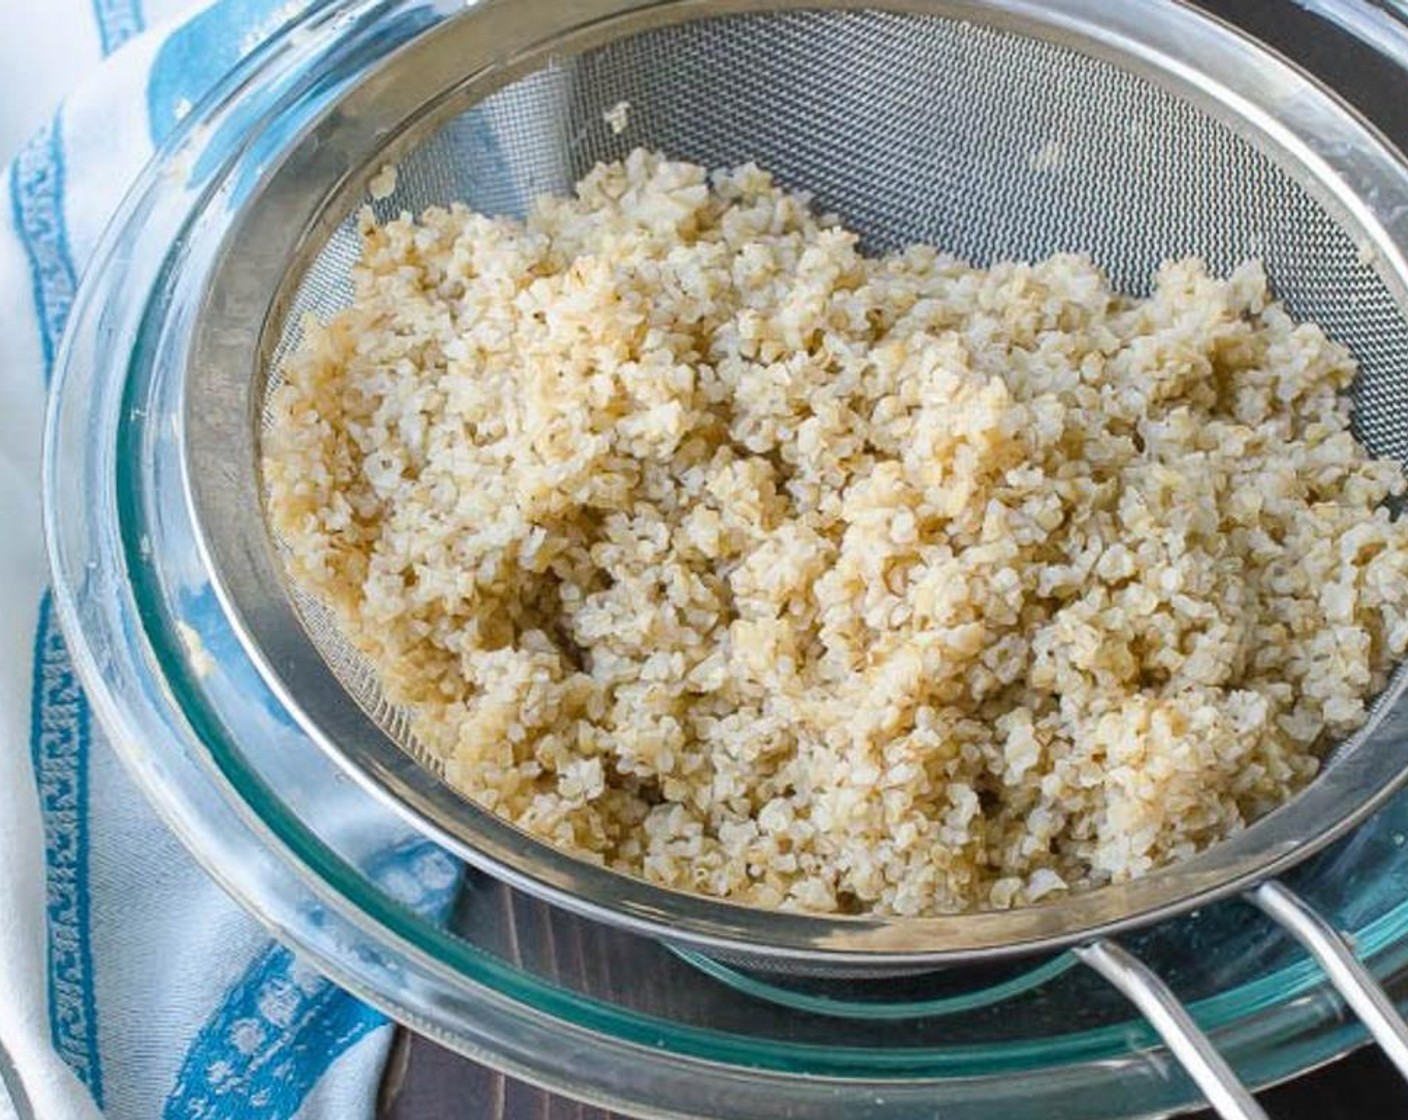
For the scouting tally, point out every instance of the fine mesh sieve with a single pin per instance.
(990, 144)
(998, 130)
(1006, 129)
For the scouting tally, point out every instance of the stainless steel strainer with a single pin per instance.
(1006, 129)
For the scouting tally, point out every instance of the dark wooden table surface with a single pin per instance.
(427, 1082)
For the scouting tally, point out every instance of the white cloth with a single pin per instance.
(131, 987)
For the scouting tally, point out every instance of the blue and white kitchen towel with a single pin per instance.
(131, 987)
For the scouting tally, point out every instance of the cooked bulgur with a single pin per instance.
(702, 545)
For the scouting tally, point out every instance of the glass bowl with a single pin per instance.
(602, 1014)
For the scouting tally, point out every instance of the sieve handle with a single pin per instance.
(1229, 1098)
(1342, 968)
(1195, 1051)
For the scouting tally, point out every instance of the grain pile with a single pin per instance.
(702, 545)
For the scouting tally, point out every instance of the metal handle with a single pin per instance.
(1195, 1051)
(1350, 978)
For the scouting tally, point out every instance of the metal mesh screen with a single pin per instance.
(985, 143)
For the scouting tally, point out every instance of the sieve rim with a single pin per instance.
(1166, 40)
